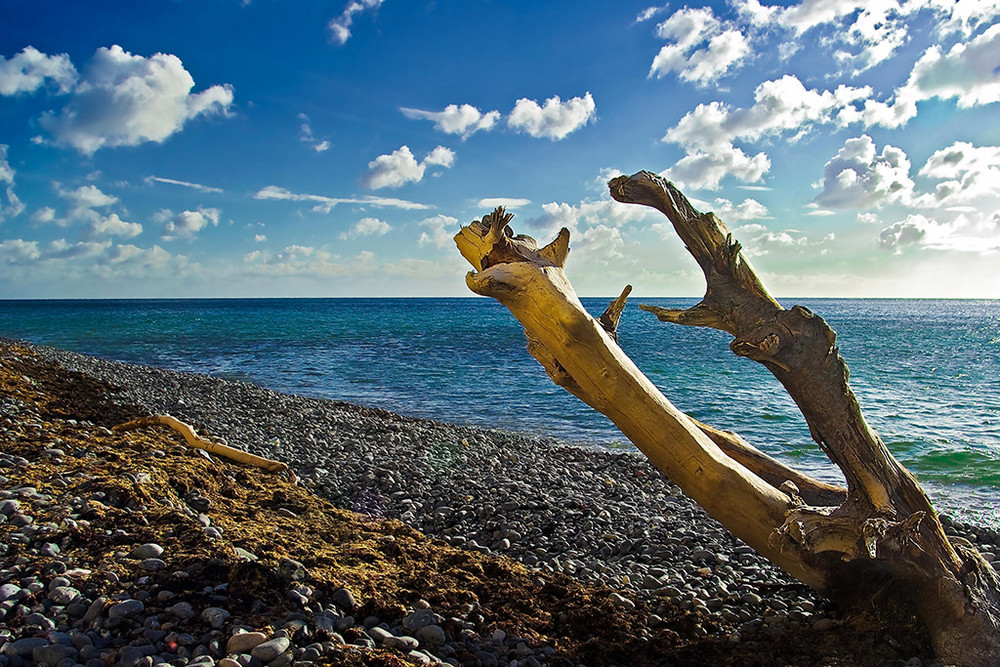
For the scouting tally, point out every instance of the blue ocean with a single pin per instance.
(927, 372)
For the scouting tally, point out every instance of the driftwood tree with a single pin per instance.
(876, 542)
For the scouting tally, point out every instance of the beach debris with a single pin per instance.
(202, 443)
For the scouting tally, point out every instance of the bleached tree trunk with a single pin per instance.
(878, 540)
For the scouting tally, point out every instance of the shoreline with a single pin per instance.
(603, 518)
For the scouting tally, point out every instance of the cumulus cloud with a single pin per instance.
(186, 224)
(968, 175)
(401, 167)
(112, 225)
(968, 73)
(259, 238)
(701, 48)
(554, 120)
(781, 107)
(29, 70)
(367, 227)
(463, 120)
(556, 215)
(87, 204)
(705, 168)
(306, 136)
(13, 205)
(298, 260)
(748, 209)
(913, 229)
(440, 230)
(326, 204)
(859, 178)
(18, 251)
(758, 240)
(340, 27)
(125, 100)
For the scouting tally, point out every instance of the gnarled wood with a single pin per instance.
(882, 534)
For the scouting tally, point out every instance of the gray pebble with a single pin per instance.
(144, 551)
(215, 616)
(269, 650)
(126, 609)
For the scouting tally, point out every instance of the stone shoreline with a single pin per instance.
(604, 518)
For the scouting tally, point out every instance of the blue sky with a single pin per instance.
(267, 148)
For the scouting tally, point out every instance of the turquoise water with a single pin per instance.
(927, 372)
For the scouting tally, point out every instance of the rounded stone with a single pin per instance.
(126, 609)
(153, 564)
(244, 642)
(182, 610)
(215, 616)
(344, 599)
(63, 595)
(431, 636)
(147, 550)
(269, 650)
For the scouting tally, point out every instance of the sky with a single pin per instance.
(265, 148)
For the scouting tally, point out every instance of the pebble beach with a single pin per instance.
(605, 520)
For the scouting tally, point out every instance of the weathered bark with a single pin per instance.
(881, 535)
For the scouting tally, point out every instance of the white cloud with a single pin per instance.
(298, 260)
(187, 224)
(13, 207)
(112, 225)
(858, 178)
(575, 218)
(367, 227)
(507, 202)
(440, 230)
(555, 120)
(82, 203)
(18, 251)
(306, 136)
(44, 215)
(706, 168)
(701, 47)
(400, 167)
(781, 107)
(63, 249)
(326, 204)
(968, 72)
(463, 120)
(748, 209)
(650, 12)
(600, 244)
(185, 184)
(758, 240)
(913, 229)
(126, 100)
(969, 177)
(259, 238)
(87, 197)
(340, 27)
(28, 71)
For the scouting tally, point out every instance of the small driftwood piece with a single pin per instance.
(199, 442)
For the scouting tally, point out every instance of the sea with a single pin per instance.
(926, 372)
